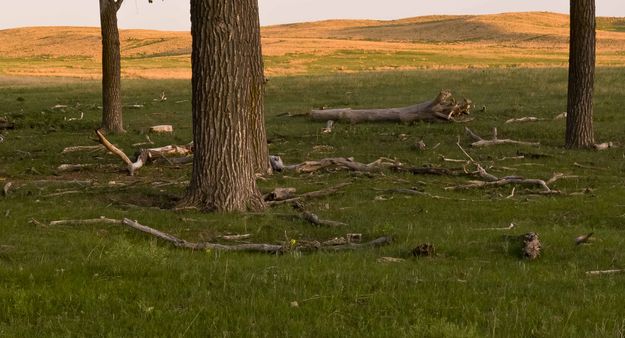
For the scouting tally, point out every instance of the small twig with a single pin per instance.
(82, 148)
(101, 220)
(479, 142)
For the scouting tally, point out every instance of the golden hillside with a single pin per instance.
(501, 40)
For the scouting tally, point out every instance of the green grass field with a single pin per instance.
(107, 280)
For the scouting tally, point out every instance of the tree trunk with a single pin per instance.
(579, 129)
(227, 90)
(111, 67)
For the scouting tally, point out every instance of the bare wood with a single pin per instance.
(101, 220)
(442, 109)
(72, 167)
(235, 237)
(164, 128)
(312, 194)
(604, 146)
(112, 148)
(82, 148)
(333, 163)
(280, 194)
(480, 142)
(263, 248)
(524, 119)
(604, 272)
(313, 218)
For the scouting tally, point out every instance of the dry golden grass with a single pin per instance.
(502, 40)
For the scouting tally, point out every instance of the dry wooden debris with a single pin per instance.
(480, 142)
(604, 146)
(101, 220)
(312, 194)
(292, 245)
(524, 119)
(531, 246)
(560, 116)
(604, 272)
(390, 260)
(82, 148)
(333, 163)
(164, 128)
(145, 155)
(443, 108)
(280, 194)
(312, 218)
(583, 238)
(235, 237)
(424, 250)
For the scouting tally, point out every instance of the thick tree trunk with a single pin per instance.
(227, 89)
(579, 129)
(111, 67)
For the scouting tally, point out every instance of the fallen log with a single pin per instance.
(293, 245)
(312, 194)
(443, 108)
(333, 163)
(312, 218)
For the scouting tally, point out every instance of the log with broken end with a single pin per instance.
(443, 108)
(332, 163)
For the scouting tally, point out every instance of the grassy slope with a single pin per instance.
(503, 40)
(106, 280)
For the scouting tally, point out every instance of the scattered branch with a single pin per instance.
(293, 245)
(525, 119)
(312, 218)
(604, 272)
(480, 142)
(604, 146)
(312, 194)
(101, 220)
(82, 148)
(334, 163)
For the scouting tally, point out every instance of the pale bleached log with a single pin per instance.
(443, 108)
(164, 128)
(82, 148)
(101, 220)
(480, 142)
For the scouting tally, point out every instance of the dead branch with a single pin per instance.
(280, 194)
(604, 146)
(82, 148)
(503, 181)
(263, 248)
(312, 194)
(480, 142)
(525, 119)
(235, 237)
(101, 220)
(443, 108)
(312, 218)
(164, 128)
(604, 272)
(333, 163)
(145, 155)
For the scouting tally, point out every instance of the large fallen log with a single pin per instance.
(443, 108)
(332, 163)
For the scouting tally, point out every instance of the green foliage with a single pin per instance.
(106, 280)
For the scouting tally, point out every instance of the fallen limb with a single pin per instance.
(280, 194)
(101, 220)
(312, 194)
(332, 163)
(312, 218)
(82, 148)
(604, 272)
(524, 119)
(443, 108)
(263, 248)
(145, 155)
(480, 142)
(604, 146)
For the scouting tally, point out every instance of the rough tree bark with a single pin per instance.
(579, 129)
(227, 90)
(111, 67)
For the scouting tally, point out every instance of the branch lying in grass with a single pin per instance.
(333, 163)
(604, 146)
(312, 218)
(604, 272)
(145, 155)
(525, 119)
(480, 142)
(251, 247)
(312, 194)
(82, 148)
(101, 220)
(443, 108)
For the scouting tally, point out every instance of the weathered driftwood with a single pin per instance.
(480, 142)
(443, 108)
(332, 163)
(604, 146)
(145, 155)
(524, 119)
(82, 148)
(163, 128)
(604, 272)
(252, 247)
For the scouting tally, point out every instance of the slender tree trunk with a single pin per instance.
(111, 67)
(579, 129)
(227, 90)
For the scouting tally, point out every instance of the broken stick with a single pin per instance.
(480, 142)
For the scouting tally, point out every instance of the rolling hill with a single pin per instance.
(501, 40)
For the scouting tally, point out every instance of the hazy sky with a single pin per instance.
(174, 14)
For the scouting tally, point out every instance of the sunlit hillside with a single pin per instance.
(501, 40)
